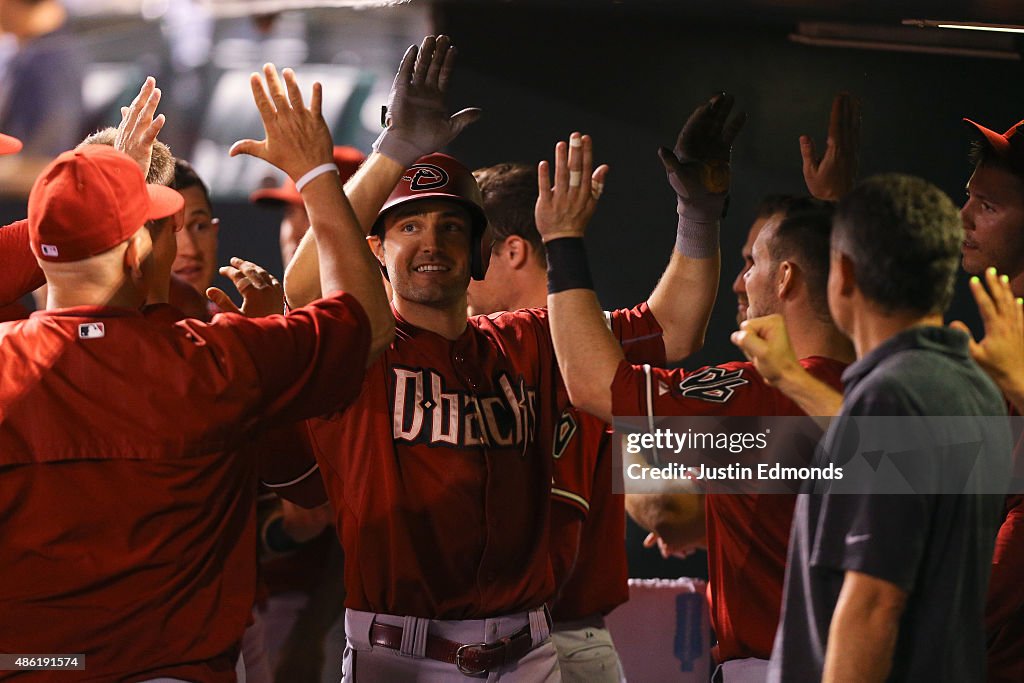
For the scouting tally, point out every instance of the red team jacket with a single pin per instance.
(21, 274)
(127, 532)
(440, 473)
(748, 534)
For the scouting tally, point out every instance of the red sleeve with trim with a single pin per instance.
(728, 389)
(310, 362)
(287, 465)
(21, 273)
(639, 333)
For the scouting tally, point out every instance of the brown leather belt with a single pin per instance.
(471, 659)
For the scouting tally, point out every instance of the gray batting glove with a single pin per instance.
(417, 119)
(698, 166)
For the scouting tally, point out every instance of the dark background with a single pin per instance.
(630, 73)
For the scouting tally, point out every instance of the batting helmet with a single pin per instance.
(439, 176)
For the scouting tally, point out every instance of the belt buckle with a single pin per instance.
(462, 667)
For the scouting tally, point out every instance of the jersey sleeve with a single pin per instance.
(580, 441)
(1006, 590)
(639, 334)
(879, 535)
(21, 273)
(308, 363)
(729, 389)
(287, 466)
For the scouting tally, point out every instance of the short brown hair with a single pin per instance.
(510, 197)
(161, 166)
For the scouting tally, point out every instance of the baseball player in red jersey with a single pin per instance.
(746, 535)
(155, 580)
(591, 574)
(993, 217)
(448, 455)
(581, 481)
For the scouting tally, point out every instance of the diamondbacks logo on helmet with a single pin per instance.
(426, 177)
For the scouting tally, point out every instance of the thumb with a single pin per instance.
(254, 148)
(651, 540)
(959, 325)
(977, 351)
(750, 343)
(807, 153)
(222, 300)
(461, 119)
(669, 160)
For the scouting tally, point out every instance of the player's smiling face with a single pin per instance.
(993, 218)
(426, 251)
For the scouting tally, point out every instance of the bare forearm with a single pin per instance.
(864, 629)
(1013, 388)
(588, 354)
(367, 191)
(684, 319)
(345, 260)
(814, 397)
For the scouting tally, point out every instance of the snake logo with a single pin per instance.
(426, 177)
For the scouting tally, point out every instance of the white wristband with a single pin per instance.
(314, 173)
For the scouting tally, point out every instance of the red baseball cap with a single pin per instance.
(1008, 145)
(347, 159)
(9, 145)
(90, 200)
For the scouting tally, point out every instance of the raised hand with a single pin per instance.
(138, 128)
(698, 167)
(565, 208)
(262, 293)
(1001, 352)
(297, 137)
(417, 117)
(765, 343)
(832, 175)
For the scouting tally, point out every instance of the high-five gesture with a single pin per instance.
(698, 166)
(831, 176)
(1001, 352)
(565, 208)
(297, 138)
(417, 117)
(139, 127)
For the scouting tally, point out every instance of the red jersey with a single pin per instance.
(21, 273)
(747, 534)
(127, 534)
(440, 473)
(582, 478)
(1004, 606)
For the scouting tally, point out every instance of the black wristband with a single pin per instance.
(567, 265)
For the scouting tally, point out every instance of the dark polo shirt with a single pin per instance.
(937, 548)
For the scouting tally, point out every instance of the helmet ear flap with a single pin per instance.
(480, 254)
(378, 233)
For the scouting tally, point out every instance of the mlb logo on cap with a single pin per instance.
(91, 331)
(49, 250)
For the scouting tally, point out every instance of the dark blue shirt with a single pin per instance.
(937, 548)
